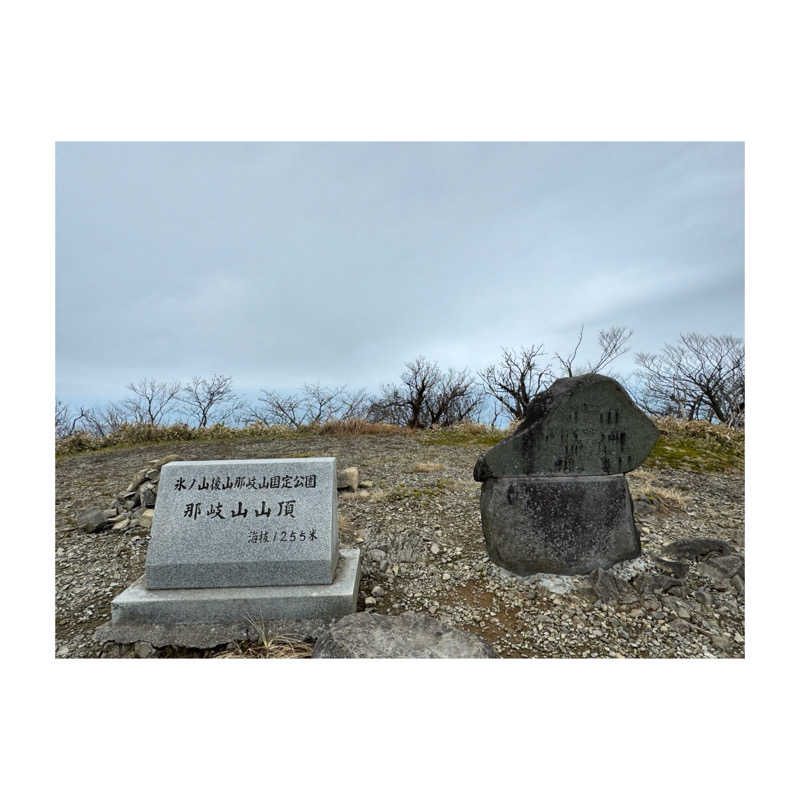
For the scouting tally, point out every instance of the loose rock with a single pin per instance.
(407, 635)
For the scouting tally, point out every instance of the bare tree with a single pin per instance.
(278, 409)
(612, 343)
(322, 403)
(700, 376)
(65, 420)
(455, 398)
(98, 422)
(210, 401)
(405, 405)
(315, 405)
(152, 401)
(355, 404)
(516, 379)
(567, 361)
(426, 397)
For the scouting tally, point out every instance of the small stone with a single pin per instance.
(703, 597)
(721, 567)
(347, 478)
(407, 635)
(680, 626)
(147, 495)
(378, 590)
(738, 584)
(676, 568)
(605, 586)
(144, 650)
(366, 484)
(370, 601)
(92, 520)
(121, 525)
(446, 576)
(721, 643)
(435, 549)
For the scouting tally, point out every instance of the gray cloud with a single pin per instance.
(285, 263)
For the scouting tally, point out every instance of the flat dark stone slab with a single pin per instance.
(579, 426)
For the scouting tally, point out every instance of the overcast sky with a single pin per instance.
(280, 264)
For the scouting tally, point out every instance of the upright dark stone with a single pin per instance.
(579, 426)
(554, 496)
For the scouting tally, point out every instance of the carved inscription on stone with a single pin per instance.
(580, 426)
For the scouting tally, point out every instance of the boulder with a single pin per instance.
(561, 525)
(408, 635)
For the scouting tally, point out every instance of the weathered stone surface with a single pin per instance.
(579, 426)
(408, 635)
(605, 586)
(261, 522)
(656, 584)
(138, 605)
(676, 568)
(562, 525)
(697, 548)
(204, 635)
(727, 566)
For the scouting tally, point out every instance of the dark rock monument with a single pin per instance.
(554, 496)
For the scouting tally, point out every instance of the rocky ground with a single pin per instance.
(417, 522)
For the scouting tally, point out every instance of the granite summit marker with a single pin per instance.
(244, 523)
(554, 496)
(243, 539)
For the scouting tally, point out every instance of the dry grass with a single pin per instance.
(354, 427)
(426, 466)
(270, 647)
(132, 435)
(643, 482)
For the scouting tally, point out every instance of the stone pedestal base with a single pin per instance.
(561, 525)
(138, 605)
